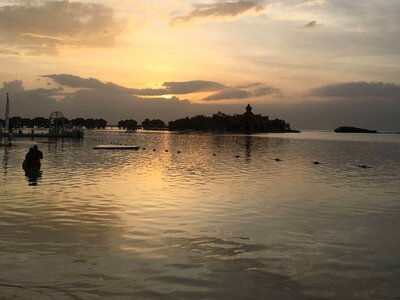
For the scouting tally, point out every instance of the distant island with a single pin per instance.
(247, 122)
(349, 129)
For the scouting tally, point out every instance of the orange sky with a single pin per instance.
(260, 51)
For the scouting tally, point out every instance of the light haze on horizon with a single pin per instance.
(318, 64)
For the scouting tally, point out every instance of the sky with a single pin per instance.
(318, 64)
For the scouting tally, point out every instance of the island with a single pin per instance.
(248, 122)
(349, 129)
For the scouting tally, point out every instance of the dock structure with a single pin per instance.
(58, 127)
(32, 134)
(116, 147)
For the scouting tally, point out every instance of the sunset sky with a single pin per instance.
(318, 64)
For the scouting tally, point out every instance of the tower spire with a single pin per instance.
(248, 108)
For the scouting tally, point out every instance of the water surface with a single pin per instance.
(222, 219)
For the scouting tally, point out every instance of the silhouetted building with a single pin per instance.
(249, 122)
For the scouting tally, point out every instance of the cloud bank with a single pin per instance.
(242, 92)
(358, 89)
(222, 91)
(168, 88)
(95, 99)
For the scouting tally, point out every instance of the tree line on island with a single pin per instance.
(218, 122)
(224, 122)
(41, 122)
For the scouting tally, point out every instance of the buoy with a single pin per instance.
(166, 150)
(237, 156)
(214, 154)
(144, 148)
(364, 166)
(179, 151)
(316, 162)
(154, 149)
(278, 159)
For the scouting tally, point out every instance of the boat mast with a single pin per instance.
(7, 119)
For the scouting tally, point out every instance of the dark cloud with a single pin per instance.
(169, 88)
(222, 8)
(13, 86)
(358, 89)
(312, 24)
(40, 27)
(34, 102)
(242, 92)
(196, 86)
(95, 102)
(181, 88)
(262, 91)
(229, 93)
(250, 85)
(75, 81)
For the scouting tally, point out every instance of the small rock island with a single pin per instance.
(349, 129)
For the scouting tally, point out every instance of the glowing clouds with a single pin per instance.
(44, 27)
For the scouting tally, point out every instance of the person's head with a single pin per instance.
(35, 147)
(31, 149)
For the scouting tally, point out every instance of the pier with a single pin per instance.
(56, 127)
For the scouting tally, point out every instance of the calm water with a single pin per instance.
(165, 225)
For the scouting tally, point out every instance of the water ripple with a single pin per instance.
(226, 217)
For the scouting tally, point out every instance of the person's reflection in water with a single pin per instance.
(33, 177)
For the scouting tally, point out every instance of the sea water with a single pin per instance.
(203, 216)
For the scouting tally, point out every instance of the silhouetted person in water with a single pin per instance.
(31, 165)
(29, 156)
(32, 159)
(37, 153)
